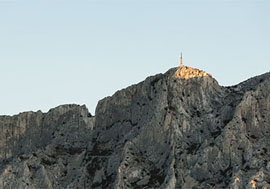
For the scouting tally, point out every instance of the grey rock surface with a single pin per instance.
(165, 132)
(44, 150)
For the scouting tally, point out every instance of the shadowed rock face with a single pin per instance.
(174, 130)
(44, 150)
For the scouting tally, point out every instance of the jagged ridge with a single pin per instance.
(173, 130)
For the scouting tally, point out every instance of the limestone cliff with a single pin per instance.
(185, 72)
(174, 130)
(43, 150)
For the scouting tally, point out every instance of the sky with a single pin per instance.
(55, 52)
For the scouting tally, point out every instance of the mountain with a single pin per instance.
(180, 129)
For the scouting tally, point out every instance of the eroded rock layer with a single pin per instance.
(185, 72)
(172, 130)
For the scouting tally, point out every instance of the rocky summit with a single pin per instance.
(180, 129)
(185, 72)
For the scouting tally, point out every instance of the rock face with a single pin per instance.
(44, 150)
(174, 130)
(184, 72)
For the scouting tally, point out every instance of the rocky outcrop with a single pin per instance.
(44, 150)
(185, 72)
(174, 130)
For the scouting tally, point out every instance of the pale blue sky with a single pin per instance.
(58, 52)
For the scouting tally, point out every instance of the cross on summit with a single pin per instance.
(181, 62)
